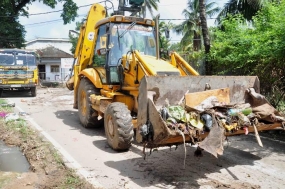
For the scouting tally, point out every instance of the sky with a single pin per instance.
(51, 25)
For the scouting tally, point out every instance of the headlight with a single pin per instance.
(148, 22)
(0, 80)
(31, 80)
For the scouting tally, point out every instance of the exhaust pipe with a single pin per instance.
(157, 36)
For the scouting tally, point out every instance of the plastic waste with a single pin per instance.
(245, 130)
(220, 114)
(164, 113)
(11, 116)
(208, 121)
(8, 105)
(3, 114)
(243, 120)
(23, 113)
(246, 111)
(234, 112)
(208, 103)
(228, 127)
(196, 123)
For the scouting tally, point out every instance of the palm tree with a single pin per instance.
(248, 8)
(149, 5)
(190, 28)
(205, 33)
(164, 42)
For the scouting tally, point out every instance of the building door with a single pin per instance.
(42, 71)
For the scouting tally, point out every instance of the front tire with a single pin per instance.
(87, 115)
(34, 91)
(118, 126)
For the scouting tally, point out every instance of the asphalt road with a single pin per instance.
(243, 165)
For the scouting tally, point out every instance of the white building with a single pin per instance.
(55, 58)
(40, 43)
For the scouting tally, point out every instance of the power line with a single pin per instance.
(43, 22)
(179, 18)
(167, 5)
(41, 13)
(49, 21)
(56, 10)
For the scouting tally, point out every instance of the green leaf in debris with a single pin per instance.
(177, 112)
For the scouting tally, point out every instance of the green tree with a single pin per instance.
(74, 34)
(247, 8)
(149, 5)
(12, 33)
(164, 41)
(242, 49)
(190, 28)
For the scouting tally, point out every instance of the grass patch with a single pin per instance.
(21, 126)
(72, 180)
(57, 157)
(6, 109)
(2, 101)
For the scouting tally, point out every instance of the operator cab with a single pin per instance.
(118, 39)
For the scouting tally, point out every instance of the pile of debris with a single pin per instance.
(219, 119)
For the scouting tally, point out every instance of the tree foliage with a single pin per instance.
(191, 28)
(12, 33)
(247, 8)
(164, 42)
(246, 49)
(149, 5)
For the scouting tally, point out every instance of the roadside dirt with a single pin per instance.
(47, 169)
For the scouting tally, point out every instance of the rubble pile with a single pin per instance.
(194, 121)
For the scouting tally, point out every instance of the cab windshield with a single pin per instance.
(17, 59)
(6, 59)
(127, 37)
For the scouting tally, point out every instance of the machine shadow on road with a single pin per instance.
(165, 167)
(71, 119)
(249, 143)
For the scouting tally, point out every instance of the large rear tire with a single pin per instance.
(118, 126)
(87, 115)
(34, 91)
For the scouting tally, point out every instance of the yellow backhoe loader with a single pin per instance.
(120, 81)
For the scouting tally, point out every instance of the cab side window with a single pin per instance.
(101, 41)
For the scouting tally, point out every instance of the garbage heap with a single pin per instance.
(219, 119)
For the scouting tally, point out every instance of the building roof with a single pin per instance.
(52, 52)
(48, 40)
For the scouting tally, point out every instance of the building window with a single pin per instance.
(54, 68)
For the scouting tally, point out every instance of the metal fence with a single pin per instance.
(51, 76)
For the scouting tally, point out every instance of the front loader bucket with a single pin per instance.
(154, 91)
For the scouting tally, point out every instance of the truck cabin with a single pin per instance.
(12, 57)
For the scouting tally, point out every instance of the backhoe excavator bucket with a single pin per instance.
(154, 91)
